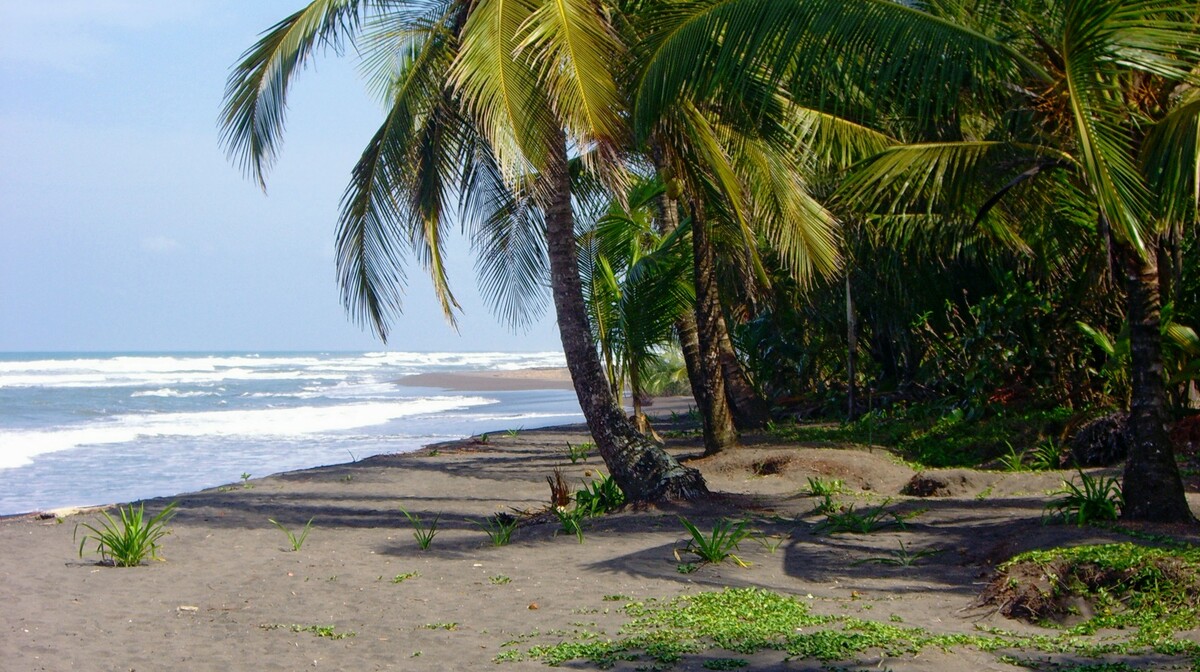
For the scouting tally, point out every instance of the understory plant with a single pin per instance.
(599, 497)
(1093, 500)
(296, 540)
(499, 527)
(719, 545)
(864, 521)
(423, 532)
(126, 543)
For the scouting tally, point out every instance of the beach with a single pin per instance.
(230, 593)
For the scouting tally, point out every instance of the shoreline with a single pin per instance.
(231, 593)
(480, 381)
(503, 380)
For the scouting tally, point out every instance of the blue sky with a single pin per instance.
(124, 227)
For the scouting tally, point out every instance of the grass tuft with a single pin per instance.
(131, 540)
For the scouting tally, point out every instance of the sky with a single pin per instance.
(123, 225)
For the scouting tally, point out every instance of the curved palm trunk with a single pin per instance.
(720, 433)
(716, 417)
(643, 470)
(1152, 486)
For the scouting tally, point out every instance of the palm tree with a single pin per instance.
(1102, 89)
(637, 286)
(526, 80)
(1110, 104)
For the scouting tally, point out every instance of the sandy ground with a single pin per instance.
(489, 381)
(229, 578)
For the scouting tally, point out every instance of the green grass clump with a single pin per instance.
(599, 497)
(1093, 500)
(499, 528)
(128, 542)
(296, 540)
(423, 532)
(864, 521)
(1155, 590)
(719, 545)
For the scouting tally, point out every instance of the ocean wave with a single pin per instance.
(173, 393)
(176, 370)
(18, 448)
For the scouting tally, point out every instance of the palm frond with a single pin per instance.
(252, 118)
(574, 50)
(501, 91)
(707, 47)
(1106, 148)
(1169, 158)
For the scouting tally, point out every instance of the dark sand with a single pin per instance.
(227, 572)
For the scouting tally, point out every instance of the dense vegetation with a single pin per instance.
(969, 208)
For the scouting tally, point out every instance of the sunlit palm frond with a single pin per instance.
(574, 52)
(396, 201)
(501, 91)
(830, 142)
(801, 232)
(252, 119)
(1106, 149)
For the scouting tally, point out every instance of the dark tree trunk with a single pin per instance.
(643, 470)
(1152, 486)
(750, 411)
(851, 351)
(715, 415)
(722, 434)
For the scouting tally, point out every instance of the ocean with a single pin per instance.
(88, 428)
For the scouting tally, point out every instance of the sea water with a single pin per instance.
(91, 428)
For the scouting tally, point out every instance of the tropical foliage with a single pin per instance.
(835, 205)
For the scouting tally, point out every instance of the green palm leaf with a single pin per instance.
(501, 91)
(252, 119)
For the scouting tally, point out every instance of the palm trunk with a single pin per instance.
(1152, 486)
(716, 417)
(643, 470)
(851, 351)
(721, 434)
(750, 411)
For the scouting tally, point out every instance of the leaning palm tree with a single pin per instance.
(485, 97)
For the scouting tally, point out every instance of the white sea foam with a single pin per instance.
(168, 392)
(17, 448)
(175, 370)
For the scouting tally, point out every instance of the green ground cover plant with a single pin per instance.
(747, 621)
(327, 631)
(295, 540)
(931, 436)
(129, 541)
(423, 532)
(1152, 591)
(1095, 499)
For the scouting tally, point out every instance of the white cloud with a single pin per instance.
(160, 244)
